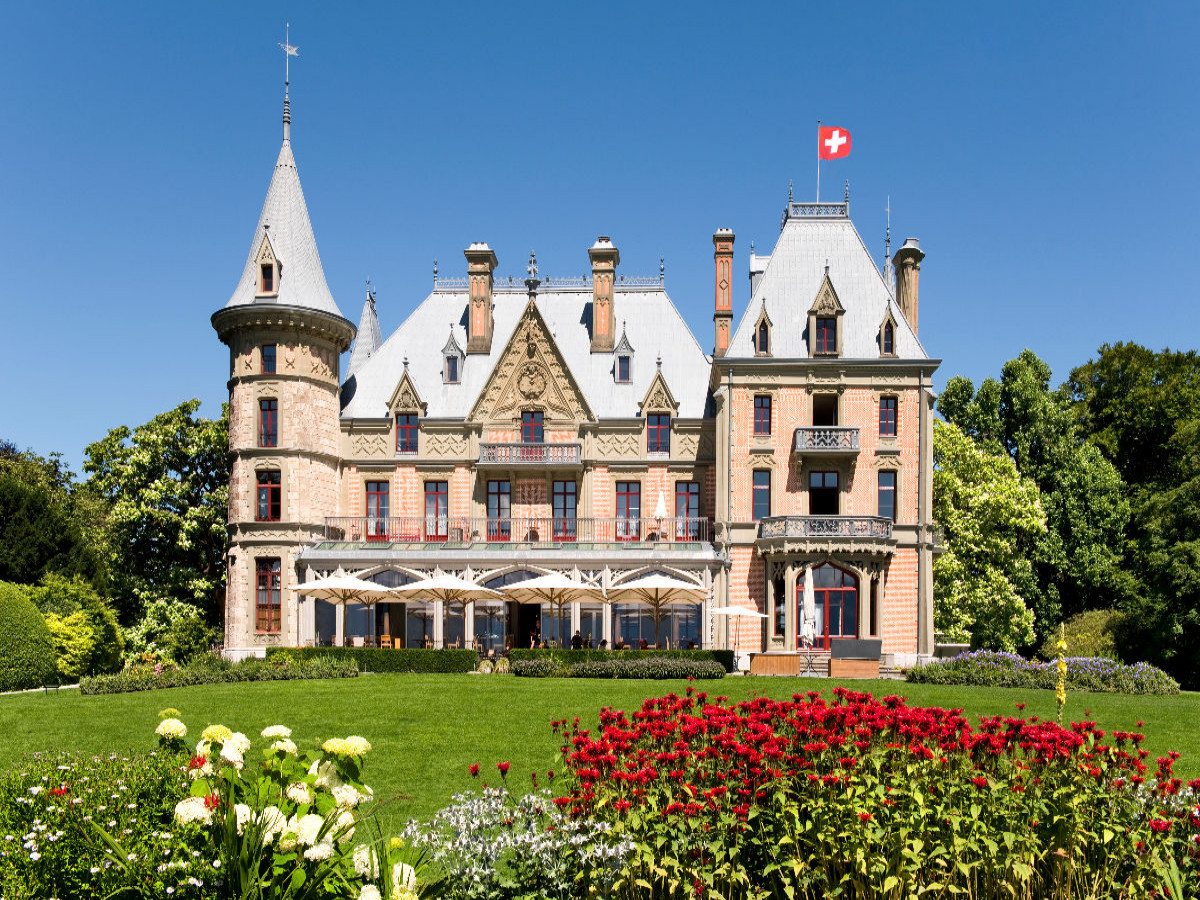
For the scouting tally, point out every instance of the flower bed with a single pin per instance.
(215, 670)
(377, 659)
(1084, 673)
(861, 797)
(657, 667)
(568, 657)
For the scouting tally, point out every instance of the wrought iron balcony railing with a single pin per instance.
(527, 454)
(826, 440)
(547, 530)
(867, 527)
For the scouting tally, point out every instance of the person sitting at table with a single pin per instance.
(577, 640)
(428, 643)
(643, 644)
(603, 643)
(620, 645)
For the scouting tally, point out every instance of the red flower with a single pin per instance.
(1160, 825)
(979, 782)
(503, 767)
(865, 816)
(473, 768)
(197, 761)
(212, 801)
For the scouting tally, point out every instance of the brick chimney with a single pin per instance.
(481, 264)
(605, 259)
(723, 312)
(907, 264)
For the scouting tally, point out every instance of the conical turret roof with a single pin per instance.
(284, 221)
(369, 336)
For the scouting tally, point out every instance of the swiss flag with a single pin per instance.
(832, 142)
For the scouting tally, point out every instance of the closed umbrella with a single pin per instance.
(808, 627)
(556, 589)
(345, 589)
(658, 592)
(447, 589)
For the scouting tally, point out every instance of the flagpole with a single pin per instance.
(818, 160)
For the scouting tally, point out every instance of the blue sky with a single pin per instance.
(1045, 155)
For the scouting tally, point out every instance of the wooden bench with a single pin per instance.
(854, 658)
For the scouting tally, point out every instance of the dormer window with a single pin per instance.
(268, 279)
(452, 370)
(269, 269)
(763, 338)
(762, 332)
(826, 336)
(622, 369)
(889, 339)
(453, 356)
(623, 366)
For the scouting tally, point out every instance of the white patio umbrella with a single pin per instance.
(556, 589)
(447, 589)
(729, 613)
(345, 589)
(657, 591)
(808, 624)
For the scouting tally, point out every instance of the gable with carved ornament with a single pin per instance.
(531, 374)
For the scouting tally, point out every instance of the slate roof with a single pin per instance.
(302, 282)
(651, 321)
(793, 275)
(367, 339)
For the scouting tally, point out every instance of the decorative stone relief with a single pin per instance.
(369, 445)
(445, 444)
(613, 446)
(687, 444)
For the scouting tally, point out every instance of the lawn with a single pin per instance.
(426, 729)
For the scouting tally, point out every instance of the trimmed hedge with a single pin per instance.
(655, 667)
(215, 670)
(989, 668)
(377, 659)
(26, 649)
(569, 657)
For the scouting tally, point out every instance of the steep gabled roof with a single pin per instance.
(284, 217)
(369, 336)
(794, 274)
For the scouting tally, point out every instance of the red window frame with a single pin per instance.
(687, 510)
(406, 432)
(268, 423)
(533, 426)
(437, 510)
(887, 494)
(889, 339)
(888, 411)
(268, 609)
(658, 433)
(377, 510)
(762, 415)
(267, 354)
(629, 510)
(564, 507)
(452, 370)
(267, 274)
(760, 495)
(826, 334)
(499, 510)
(269, 500)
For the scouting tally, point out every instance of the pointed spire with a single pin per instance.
(288, 52)
(369, 337)
(889, 276)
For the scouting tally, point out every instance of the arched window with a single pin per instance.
(835, 605)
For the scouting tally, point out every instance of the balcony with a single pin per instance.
(825, 441)
(520, 531)
(528, 454)
(843, 533)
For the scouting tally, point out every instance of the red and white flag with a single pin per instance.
(832, 142)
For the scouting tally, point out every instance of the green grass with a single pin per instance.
(426, 729)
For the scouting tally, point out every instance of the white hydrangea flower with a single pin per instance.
(358, 746)
(229, 754)
(327, 774)
(273, 732)
(343, 826)
(318, 852)
(239, 742)
(171, 728)
(283, 745)
(202, 772)
(192, 809)
(307, 829)
(404, 878)
(290, 835)
(244, 814)
(272, 821)
(299, 793)
(346, 796)
(369, 892)
(366, 862)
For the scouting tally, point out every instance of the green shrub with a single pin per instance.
(378, 659)
(74, 643)
(989, 668)
(213, 669)
(657, 667)
(1090, 633)
(567, 657)
(171, 629)
(26, 647)
(63, 597)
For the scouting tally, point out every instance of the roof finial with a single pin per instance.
(660, 359)
(435, 272)
(752, 247)
(662, 270)
(288, 52)
(847, 190)
(532, 281)
(370, 292)
(532, 267)
(887, 250)
(789, 191)
(405, 362)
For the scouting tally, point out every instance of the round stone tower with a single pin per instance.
(285, 336)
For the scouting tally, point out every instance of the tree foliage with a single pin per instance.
(1077, 560)
(1141, 408)
(26, 651)
(988, 511)
(165, 484)
(87, 638)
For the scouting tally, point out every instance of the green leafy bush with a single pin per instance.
(657, 667)
(1091, 633)
(377, 659)
(171, 629)
(988, 668)
(74, 643)
(567, 657)
(26, 647)
(213, 669)
(62, 598)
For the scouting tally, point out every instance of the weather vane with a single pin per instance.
(288, 52)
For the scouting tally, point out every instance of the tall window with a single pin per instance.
(687, 510)
(499, 508)
(377, 510)
(887, 416)
(452, 370)
(269, 503)
(437, 510)
(268, 359)
(762, 415)
(268, 423)
(532, 431)
(764, 336)
(761, 498)
(823, 493)
(889, 339)
(406, 432)
(622, 369)
(564, 506)
(267, 589)
(629, 510)
(658, 433)
(835, 595)
(827, 335)
(268, 278)
(887, 495)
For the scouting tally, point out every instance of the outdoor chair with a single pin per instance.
(385, 641)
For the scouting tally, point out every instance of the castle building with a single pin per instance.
(513, 427)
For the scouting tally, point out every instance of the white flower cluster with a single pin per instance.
(300, 793)
(192, 809)
(171, 729)
(274, 732)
